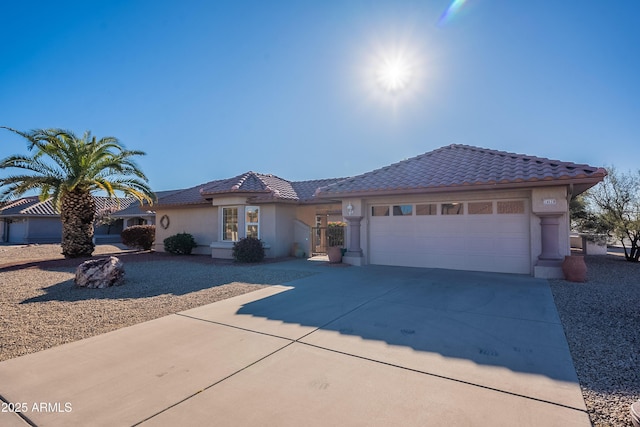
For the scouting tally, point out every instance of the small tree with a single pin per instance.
(617, 200)
(585, 220)
(104, 217)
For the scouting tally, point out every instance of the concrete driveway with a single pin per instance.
(345, 346)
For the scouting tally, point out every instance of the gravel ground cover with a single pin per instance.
(41, 308)
(601, 320)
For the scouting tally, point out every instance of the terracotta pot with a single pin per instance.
(574, 268)
(335, 254)
(635, 414)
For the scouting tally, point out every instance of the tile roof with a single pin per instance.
(454, 167)
(463, 167)
(252, 182)
(256, 186)
(306, 190)
(32, 206)
(186, 196)
(15, 206)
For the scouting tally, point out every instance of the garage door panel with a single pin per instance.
(493, 242)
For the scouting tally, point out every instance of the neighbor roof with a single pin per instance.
(32, 206)
(462, 167)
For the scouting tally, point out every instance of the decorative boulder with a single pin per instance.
(100, 273)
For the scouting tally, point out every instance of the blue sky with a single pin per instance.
(212, 89)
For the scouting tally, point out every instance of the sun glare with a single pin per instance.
(393, 74)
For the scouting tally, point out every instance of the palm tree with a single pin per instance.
(68, 170)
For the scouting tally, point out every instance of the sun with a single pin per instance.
(393, 73)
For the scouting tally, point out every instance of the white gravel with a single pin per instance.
(41, 308)
(601, 319)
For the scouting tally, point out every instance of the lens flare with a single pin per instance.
(453, 8)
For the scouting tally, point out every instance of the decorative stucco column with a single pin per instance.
(549, 236)
(354, 251)
(551, 206)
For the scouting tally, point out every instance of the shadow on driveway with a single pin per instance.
(500, 320)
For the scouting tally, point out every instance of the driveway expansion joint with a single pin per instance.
(445, 377)
(212, 385)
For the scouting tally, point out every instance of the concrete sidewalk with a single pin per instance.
(346, 346)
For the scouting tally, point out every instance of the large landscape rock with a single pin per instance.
(100, 273)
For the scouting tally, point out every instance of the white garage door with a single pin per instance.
(479, 236)
(18, 231)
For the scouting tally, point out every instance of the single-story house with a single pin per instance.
(30, 220)
(457, 207)
(283, 214)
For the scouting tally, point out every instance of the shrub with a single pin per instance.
(139, 236)
(248, 249)
(180, 244)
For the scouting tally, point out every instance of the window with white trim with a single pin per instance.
(230, 224)
(252, 221)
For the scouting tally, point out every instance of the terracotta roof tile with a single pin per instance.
(258, 187)
(462, 166)
(451, 167)
(187, 196)
(306, 190)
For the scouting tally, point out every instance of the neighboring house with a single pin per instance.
(29, 220)
(457, 207)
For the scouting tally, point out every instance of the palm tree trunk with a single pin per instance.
(77, 214)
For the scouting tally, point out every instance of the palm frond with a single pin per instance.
(61, 163)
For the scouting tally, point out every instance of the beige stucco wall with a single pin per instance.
(276, 228)
(201, 222)
(549, 200)
(277, 225)
(306, 214)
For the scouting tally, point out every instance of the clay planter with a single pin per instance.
(574, 268)
(335, 254)
(635, 414)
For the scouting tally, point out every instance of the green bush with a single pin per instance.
(248, 249)
(180, 244)
(139, 236)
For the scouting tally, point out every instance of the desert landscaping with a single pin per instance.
(41, 308)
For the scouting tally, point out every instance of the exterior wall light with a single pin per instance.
(350, 209)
